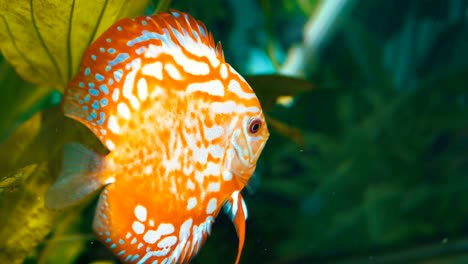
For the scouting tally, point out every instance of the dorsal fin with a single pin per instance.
(107, 92)
(192, 28)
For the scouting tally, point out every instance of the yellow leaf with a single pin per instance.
(29, 163)
(25, 221)
(13, 180)
(44, 40)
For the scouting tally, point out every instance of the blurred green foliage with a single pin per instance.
(368, 166)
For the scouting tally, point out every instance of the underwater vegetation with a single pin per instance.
(366, 103)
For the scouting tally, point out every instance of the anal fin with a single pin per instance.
(236, 209)
(81, 176)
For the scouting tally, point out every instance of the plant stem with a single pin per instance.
(319, 28)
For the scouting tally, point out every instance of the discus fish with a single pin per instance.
(184, 131)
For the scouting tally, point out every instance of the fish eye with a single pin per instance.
(255, 125)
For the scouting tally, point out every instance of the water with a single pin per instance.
(369, 165)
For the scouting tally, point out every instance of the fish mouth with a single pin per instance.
(242, 164)
(242, 168)
(255, 156)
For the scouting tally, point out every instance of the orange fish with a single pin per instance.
(184, 131)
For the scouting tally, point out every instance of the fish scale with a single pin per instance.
(184, 131)
(114, 62)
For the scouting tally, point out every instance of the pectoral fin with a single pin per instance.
(236, 209)
(81, 176)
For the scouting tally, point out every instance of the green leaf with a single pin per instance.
(21, 99)
(286, 130)
(269, 88)
(18, 141)
(44, 40)
(163, 6)
(307, 6)
(273, 89)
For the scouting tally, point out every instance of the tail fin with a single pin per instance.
(81, 176)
